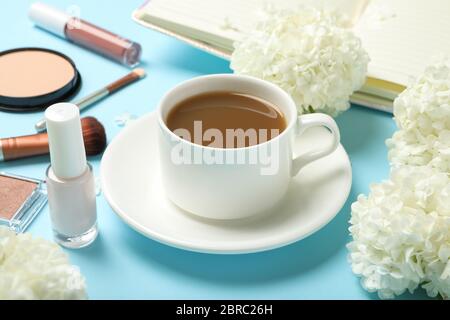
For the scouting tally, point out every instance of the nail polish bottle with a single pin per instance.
(70, 181)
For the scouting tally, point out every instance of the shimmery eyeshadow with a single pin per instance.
(13, 193)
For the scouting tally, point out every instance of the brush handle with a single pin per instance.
(23, 147)
(122, 82)
(83, 103)
(92, 98)
(40, 125)
(95, 96)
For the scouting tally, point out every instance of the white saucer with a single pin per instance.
(132, 186)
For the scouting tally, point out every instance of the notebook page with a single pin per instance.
(209, 16)
(223, 21)
(402, 36)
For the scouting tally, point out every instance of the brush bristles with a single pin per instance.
(94, 136)
(140, 72)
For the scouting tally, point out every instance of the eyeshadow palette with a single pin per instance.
(21, 199)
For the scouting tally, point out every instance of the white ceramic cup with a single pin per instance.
(234, 183)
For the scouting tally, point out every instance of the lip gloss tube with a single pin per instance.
(86, 34)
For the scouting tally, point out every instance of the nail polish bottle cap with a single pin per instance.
(65, 137)
(49, 18)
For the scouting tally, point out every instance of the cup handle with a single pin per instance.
(314, 120)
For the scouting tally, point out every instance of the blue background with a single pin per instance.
(122, 264)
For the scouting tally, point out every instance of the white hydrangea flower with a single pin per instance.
(307, 52)
(36, 269)
(422, 113)
(401, 233)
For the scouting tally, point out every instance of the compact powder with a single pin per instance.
(33, 73)
(34, 78)
(13, 194)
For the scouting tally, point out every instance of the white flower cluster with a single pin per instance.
(36, 269)
(307, 52)
(422, 113)
(401, 231)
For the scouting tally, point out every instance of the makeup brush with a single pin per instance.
(98, 95)
(37, 144)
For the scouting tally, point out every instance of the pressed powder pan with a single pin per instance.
(21, 199)
(35, 78)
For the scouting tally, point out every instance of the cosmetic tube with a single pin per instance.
(85, 34)
(70, 181)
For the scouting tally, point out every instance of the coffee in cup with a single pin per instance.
(226, 119)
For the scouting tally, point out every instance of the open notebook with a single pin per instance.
(401, 36)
